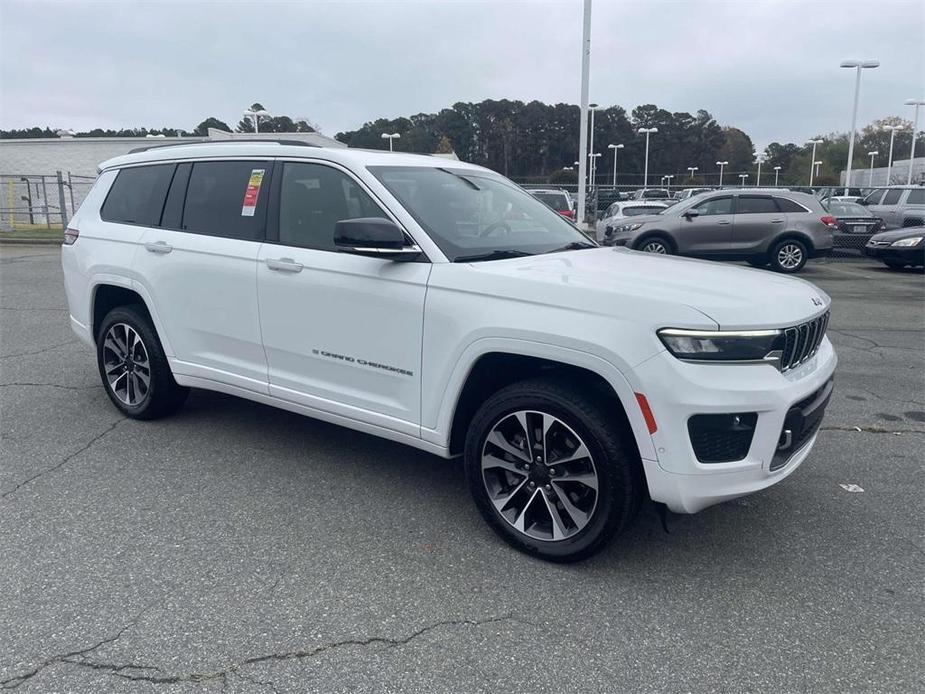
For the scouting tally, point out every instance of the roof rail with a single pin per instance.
(293, 143)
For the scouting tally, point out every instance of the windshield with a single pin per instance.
(473, 213)
(556, 201)
(848, 209)
(636, 211)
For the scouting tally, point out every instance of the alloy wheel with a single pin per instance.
(126, 364)
(539, 475)
(655, 247)
(789, 256)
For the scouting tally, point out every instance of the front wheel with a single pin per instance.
(657, 245)
(550, 470)
(789, 256)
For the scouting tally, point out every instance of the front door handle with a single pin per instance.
(284, 265)
(158, 247)
(777, 221)
(723, 223)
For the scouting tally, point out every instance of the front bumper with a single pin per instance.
(911, 255)
(677, 391)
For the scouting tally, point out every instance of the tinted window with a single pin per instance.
(714, 206)
(636, 211)
(916, 197)
(313, 198)
(786, 205)
(137, 195)
(556, 201)
(875, 197)
(892, 196)
(226, 198)
(755, 205)
(173, 208)
(848, 209)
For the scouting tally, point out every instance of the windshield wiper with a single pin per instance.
(573, 246)
(493, 255)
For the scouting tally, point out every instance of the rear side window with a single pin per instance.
(892, 196)
(786, 205)
(313, 198)
(916, 197)
(754, 205)
(137, 195)
(227, 198)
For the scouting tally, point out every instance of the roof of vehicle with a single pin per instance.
(547, 190)
(640, 203)
(231, 148)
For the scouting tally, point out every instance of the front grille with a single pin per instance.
(801, 341)
(721, 438)
(880, 243)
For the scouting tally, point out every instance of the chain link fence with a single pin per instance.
(40, 203)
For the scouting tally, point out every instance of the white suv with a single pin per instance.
(437, 304)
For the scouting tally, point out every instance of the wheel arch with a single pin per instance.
(660, 233)
(793, 235)
(108, 293)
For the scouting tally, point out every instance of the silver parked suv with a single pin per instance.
(898, 206)
(780, 229)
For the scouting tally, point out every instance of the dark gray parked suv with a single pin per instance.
(776, 228)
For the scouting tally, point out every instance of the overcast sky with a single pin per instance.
(769, 67)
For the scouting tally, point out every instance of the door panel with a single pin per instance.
(708, 233)
(757, 219)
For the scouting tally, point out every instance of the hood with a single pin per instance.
(634, 282)
(640, 218)
(898, 234)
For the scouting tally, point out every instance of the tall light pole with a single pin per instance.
(915, 129)
(594, 156)
(760, 160)
(668, 179)
(776, 175)
(889, 165)
(645, 176)
(581, 211)
(721, 164)
(256, 116)
(592, 108)
(742, 178)
(615, 148)
(812, 161)
(857, 65)
(393, 136)
(870, 177)
(692, 169)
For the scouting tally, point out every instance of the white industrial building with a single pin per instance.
(862, 177)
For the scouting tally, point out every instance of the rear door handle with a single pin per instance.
(284, 265)
(159, 247)
(777, 221)
(723, 223)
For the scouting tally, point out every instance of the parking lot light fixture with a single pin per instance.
(915, 128)
(889, 165)
(760, 160)
(721, 164)
(256, 116)
(615, 148)
(593, 156)
(692, 169)
(645, 175)
(776, 175)
(858, 66)
(668, 181)
(812, 160)
(393, 136)
(742, 178)
(870, 177)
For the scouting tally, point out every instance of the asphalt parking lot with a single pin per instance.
(239, 548)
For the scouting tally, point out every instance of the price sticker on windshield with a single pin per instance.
(252, 193)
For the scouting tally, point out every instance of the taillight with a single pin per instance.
(567, 213)
(70, 236)
(830, 221)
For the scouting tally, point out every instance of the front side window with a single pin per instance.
(313, 198)
(715, 206)
(892, 196)
(471, 213)
(137, 195)
(227, 198)
(916, 197)
(755, 205)
(875, 197)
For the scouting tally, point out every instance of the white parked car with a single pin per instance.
(620, 210)
(437, 304)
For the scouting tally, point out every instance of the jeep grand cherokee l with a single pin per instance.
(437, 304)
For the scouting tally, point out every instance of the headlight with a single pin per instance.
(913, 241)
(723, 345)
(630, 227)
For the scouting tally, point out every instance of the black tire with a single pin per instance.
(620, 481)
(650, 243)
(162, 396)
(788, 256)
(894, 264)
(758, 262)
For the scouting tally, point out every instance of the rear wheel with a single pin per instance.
(657, 245)
(550, 470)
(133, 366)
(789, 256)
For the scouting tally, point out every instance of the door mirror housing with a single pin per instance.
(374, 237)
(690, 214)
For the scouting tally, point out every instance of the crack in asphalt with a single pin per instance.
(21, 258)
(49, 385)
(872, 430)
(64, 460)
(40, 351)
(873, 343)
(884, 398)
(146, 673)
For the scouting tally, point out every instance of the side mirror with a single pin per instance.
(374, 237)
(690, 214)
(863, 201)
